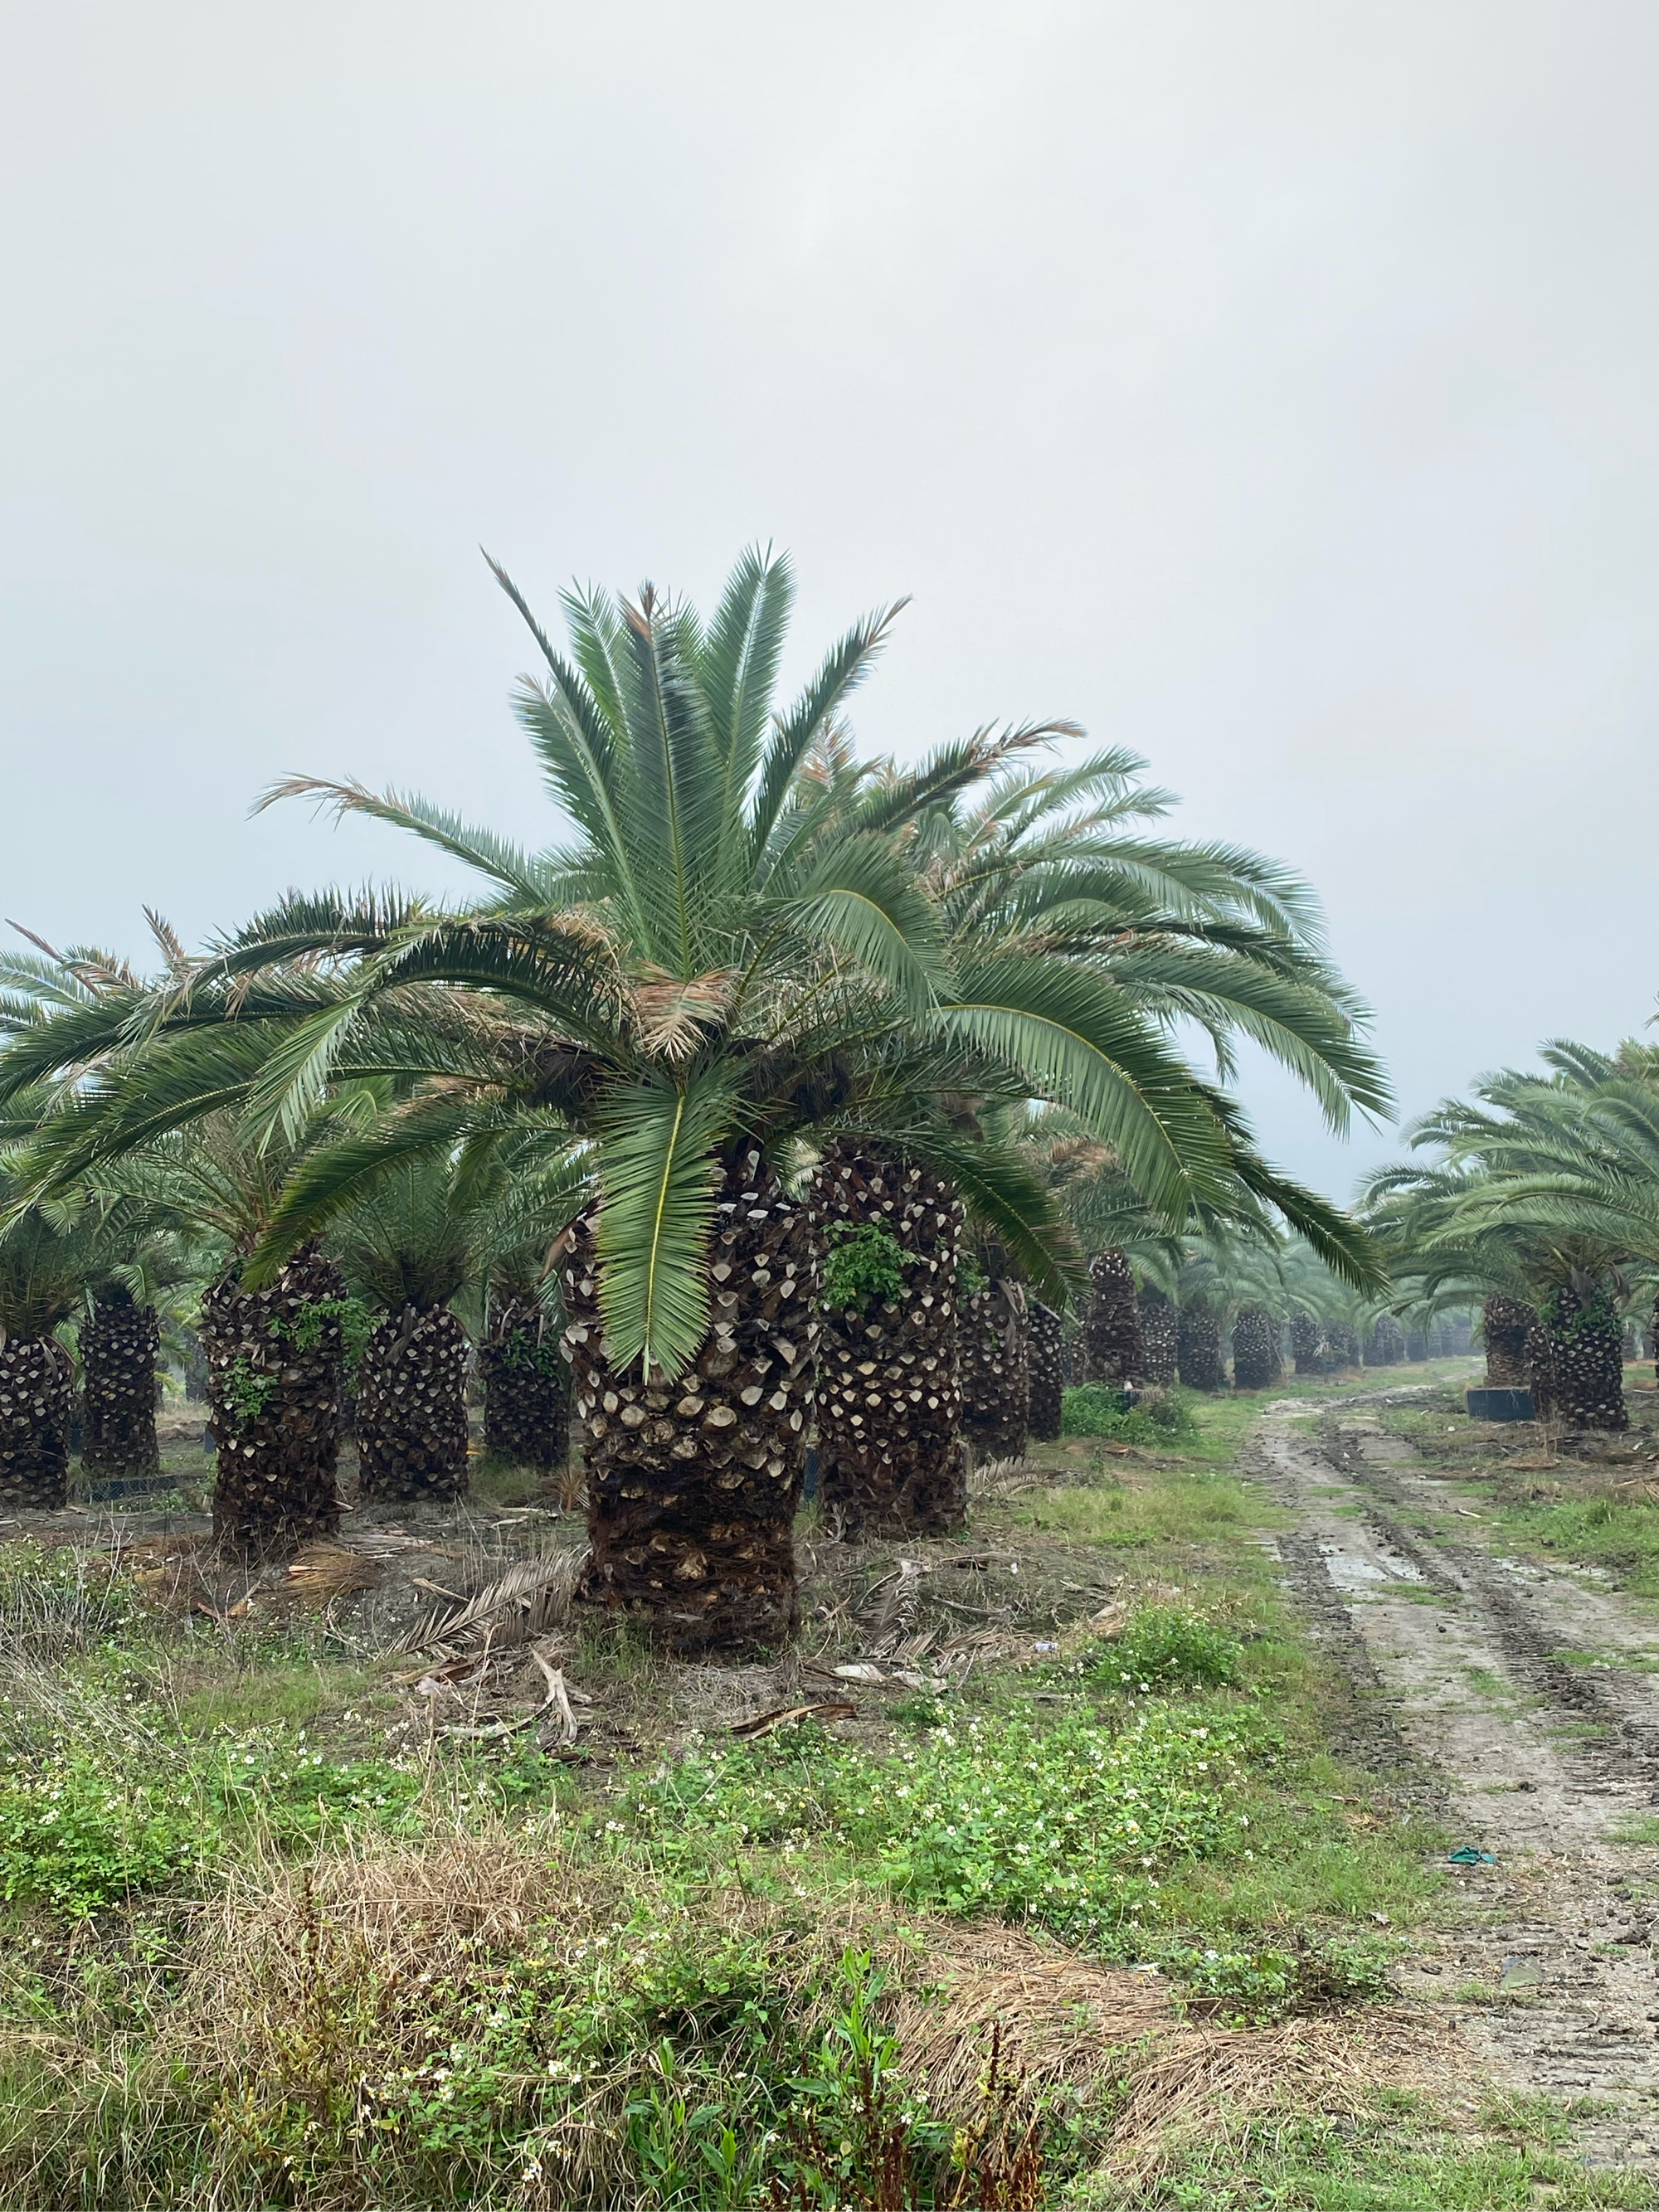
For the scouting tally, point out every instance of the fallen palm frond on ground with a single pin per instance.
(533, 1597)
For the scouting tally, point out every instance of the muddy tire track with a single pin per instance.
(1460, 1698)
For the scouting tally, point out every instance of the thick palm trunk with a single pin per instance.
(37, 1389)
(1111, 1331)
(1199, 1346)
(1505, 1325)
(411, 1406)
(119, 1346)
(693, 1486)
(888, 1394)
(996, 1381)
(1342, 1346)
(1042, 1335)
(1418, 1345)
(196, 1371)
(1256, 1362)
(526, 1387)
(1386, 1346)
(1586, 1382)
(274, 1375)
(1160, 1335)
(1304, 1343)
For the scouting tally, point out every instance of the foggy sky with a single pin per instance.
(1270, 386)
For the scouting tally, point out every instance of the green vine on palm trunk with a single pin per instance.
(866, 1263)
(245, 1391)
(305, 1331)
(522, 1350)
(1596, 1313)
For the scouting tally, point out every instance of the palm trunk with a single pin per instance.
(37, 1389)
(411, 1406)
(693, 1486)
(1505, 1325)
(1160, 1334)
(1304, 1343)
(1042, 1356)
(526, 1385)
(1111, 1332)
(889, 1399)
(274, 1373)
(1256, 1362)
(120, 1346)
(1342, 1346)
(1386, 1347)
(1199, 1346)
(1587, 1374)
(996, 1382)
(196, 1370)
(1417, 1345)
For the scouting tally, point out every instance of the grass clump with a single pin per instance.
(1157, 1417)
(1163, 1647)
(1254, 1987)
(1060, 1825)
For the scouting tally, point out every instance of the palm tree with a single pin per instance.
(1543, 1202)
(1112, 1344)
(1385, 1346)
(1160, 1334)
(1257, 1361)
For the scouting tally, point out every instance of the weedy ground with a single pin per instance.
(1063, 1896)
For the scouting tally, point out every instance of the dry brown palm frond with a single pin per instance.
(531, 1598)
(888, 1610)
(671, 1013)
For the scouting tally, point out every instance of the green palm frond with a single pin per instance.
(658, 1174)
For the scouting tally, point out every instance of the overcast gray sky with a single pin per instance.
(1272, 387)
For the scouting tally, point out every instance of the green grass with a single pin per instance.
(1385, 2162)
(708, 1939)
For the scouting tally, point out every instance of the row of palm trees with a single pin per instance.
(1537, 1199)
(755, 1088)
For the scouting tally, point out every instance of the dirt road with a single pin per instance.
(1519, 1702)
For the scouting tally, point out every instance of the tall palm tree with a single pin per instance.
(1544, 1200)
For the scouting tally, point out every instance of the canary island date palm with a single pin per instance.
(272, 1358)
(526, 1378)
(1258, 1361)
(1543, 1196)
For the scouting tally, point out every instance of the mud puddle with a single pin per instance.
(1516, 1702)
